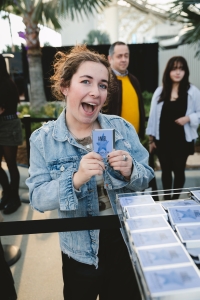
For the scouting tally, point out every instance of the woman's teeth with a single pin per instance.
(88, 107)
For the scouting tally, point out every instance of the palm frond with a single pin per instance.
(29, 4)
(50, 14)
(37, 12)
(78, 7)
(45, 13)
(190, 13)
(13, 6)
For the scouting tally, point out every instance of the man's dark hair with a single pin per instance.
(112, 47)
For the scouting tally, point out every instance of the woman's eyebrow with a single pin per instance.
(87, 76)
(90, 77)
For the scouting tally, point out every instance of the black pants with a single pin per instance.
(7, 289)
(175, 163)
(113, 280)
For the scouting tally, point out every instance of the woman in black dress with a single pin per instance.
(173, 122)
(10, 138)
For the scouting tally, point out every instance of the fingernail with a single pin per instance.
(108, 155)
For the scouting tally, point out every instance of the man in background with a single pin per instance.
(127, 101)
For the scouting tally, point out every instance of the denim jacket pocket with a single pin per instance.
(56, 167)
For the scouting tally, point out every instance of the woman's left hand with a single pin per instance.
(182, 121)
(121, 161)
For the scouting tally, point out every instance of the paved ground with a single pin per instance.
(38, 273)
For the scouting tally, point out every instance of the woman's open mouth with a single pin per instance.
(88, 107)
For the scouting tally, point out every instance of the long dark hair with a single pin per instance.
(3, 70)
(167, 82)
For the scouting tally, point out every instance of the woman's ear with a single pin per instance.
(64, 90)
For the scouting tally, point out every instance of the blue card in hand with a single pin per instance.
(103, 141)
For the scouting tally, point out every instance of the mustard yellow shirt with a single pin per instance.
(130, 104)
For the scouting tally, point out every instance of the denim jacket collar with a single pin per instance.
(61, 132)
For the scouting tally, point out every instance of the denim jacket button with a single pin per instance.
(62, 168)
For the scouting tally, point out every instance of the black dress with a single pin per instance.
(172, 136)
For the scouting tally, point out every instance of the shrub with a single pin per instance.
(50, 110)
(147, 96)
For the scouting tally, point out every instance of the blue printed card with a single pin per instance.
(103, 141)
(172, 281)
(153, 237)
(145, 210)
(135, 200)
(146, 223)
(172, 203)
(183, 215)
(189, 235)
(163, 256)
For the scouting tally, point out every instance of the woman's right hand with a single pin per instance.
(152, 146)
(90, 165)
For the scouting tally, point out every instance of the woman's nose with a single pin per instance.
(94, 91)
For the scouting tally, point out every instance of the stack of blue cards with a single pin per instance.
(172, 203)
(145, 210)
(189, 235)
(168, 256)
(142, 223)
(184, 215)
(147, 238)
(127, 200)
(177, 283)
(165, 269)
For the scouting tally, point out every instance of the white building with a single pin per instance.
(126, 21)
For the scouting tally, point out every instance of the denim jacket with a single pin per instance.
(55, 157)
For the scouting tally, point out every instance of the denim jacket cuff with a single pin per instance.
(135, 174)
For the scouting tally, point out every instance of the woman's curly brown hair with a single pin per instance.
(66, 65)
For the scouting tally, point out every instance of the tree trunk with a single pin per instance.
(37, 93)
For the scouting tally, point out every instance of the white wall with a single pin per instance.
(112, 21)
(74, 32)
(188, 52)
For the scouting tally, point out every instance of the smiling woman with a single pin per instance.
(85, 96)
(65, 174)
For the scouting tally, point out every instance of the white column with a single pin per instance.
(112, 21)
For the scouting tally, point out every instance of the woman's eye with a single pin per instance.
(85, 81)
(103, 86)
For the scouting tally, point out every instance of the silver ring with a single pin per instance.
(125, 158)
